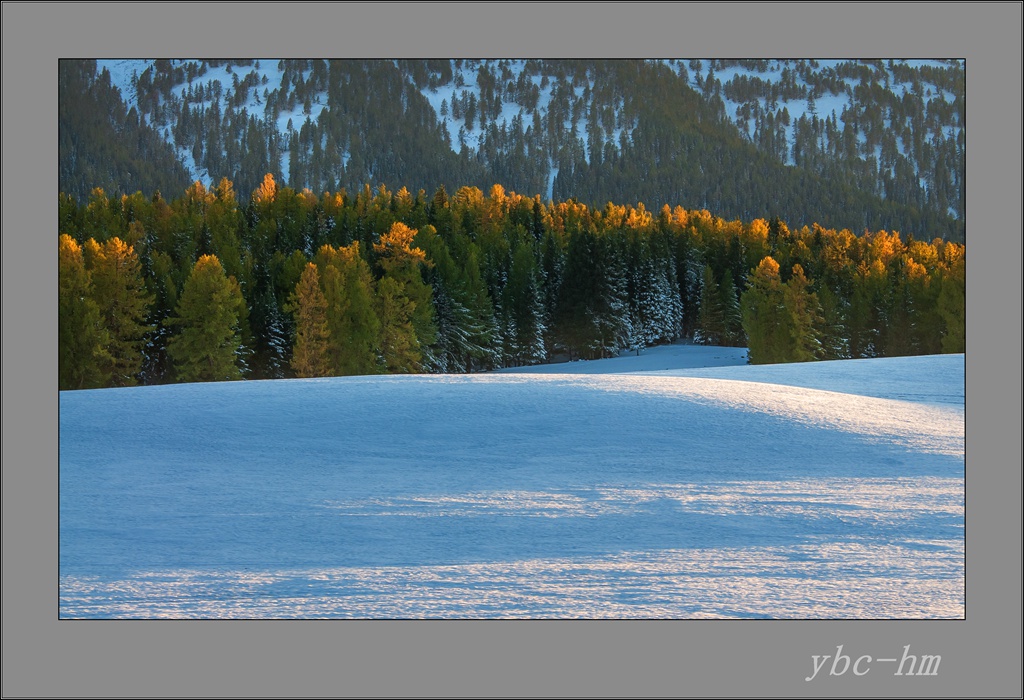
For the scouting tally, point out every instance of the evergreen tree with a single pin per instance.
(276, 357)
(208, 342)
(311, 356)
(398, 346)
(611, 307)
(485, 336)
(804, 316)
(640, 295)
(523, 310)
(644, 298)
(711, 319)
(665, 318)
(223, 221)
(731, 314)
(573, 318)
(864, 321)
(439, 213)
(898, 329)
(247, 341)
(359, 348)
(690, 272)
(673, 304)
(270, 329)
(926, 321)
(403, 263)
(81, 336)
(120, 294)
(593, 307)
(156, 365)
(463, 336)
(452, 319)
(952, 300)
(347, 284)
(765, 316)
(835, 344)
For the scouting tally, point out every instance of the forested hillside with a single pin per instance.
(864, 145)
(103, 143)
(213, 285)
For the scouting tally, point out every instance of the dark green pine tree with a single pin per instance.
(613, 302)
(643, 297)
(952, 300)
(835, 344)
(270, 331)
(159, 273)
(665, 317)
(439, 213)
(689, 272)
(711, 319)
(926, 321)
(277, 343)
(731, 314)
(484, 353)
(462, 334)
(592, 314)
(552, 269)
(207, 344)
(898, 331)
(575, 323)
(397, 343)
(523, 310)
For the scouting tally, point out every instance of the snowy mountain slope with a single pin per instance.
(516, 495)
(465, 83)
(223, 78)
(894, 128)
(816, 102)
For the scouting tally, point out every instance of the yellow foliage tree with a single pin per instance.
(120, 295)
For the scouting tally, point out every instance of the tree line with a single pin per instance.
(286, 283)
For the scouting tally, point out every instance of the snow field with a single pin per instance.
(522, 495)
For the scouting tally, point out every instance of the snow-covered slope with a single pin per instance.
(902, 378)
(521, 495)
(675, 356)
(848, 88)
(123, 72)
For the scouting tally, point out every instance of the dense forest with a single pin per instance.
(211, 286)
(103, 143)
(863, 145)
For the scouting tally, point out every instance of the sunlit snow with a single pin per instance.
(820, 490)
